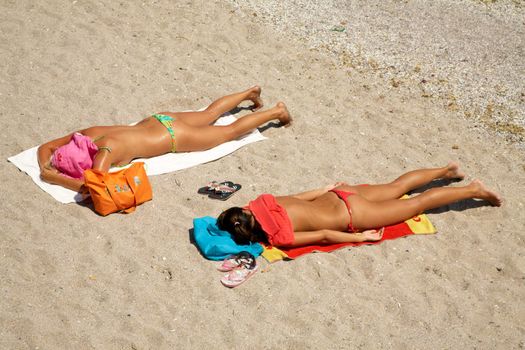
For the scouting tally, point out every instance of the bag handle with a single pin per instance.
(116, 200)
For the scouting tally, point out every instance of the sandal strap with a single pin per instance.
(213, 185)
(247, 260)
(224, 189)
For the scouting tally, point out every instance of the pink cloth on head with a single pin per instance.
(75, 157)
(273, 219)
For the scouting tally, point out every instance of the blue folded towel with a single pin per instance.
(216, 244)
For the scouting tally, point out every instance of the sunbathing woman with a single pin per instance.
(63, 161)
(342, 213)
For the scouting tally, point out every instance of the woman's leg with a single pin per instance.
(368, 214)
(406, 182)
(189, 138)
(219, 107)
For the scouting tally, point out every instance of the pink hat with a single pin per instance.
(75, 157)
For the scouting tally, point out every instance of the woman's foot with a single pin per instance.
(482, 192)
(284, 116)
(255, 96)
(453, 172)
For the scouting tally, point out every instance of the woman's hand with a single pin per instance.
(332, 186)
(53, 176)
(49, 174)
(313, 194)
(372, 235)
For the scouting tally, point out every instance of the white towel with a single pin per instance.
(27, 161)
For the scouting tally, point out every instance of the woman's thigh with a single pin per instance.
(194, 118)
(375, 193)
(190, 138)
(369, 214)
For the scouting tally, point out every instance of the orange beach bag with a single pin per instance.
(119, 191)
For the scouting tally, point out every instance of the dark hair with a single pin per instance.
(241, 226)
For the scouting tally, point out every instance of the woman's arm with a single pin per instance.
(103, 159)
(53, 176)
(45, 151)
(333, 237)
(313, 194)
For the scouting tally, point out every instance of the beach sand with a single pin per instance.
(71, 279)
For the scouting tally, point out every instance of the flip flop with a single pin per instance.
(211, 186)
(224, 192)
(229, 264)
(235, 260)
(238, 276)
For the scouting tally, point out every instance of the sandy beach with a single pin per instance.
(71, 279)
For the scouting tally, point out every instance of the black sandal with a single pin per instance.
(212, 186)
(225, 191)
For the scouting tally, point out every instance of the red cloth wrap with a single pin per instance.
(273, 219)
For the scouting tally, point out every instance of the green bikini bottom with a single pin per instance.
(167, 121)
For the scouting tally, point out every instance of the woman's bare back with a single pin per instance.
(325, 212)
(146, 139)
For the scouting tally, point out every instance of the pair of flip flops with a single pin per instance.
(220, 190)
(239, 267)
